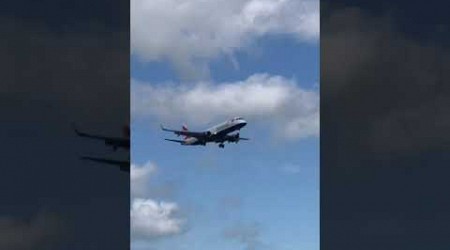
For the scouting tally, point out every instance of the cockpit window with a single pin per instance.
(236, 118)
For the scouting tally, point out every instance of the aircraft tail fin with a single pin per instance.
(185, 128)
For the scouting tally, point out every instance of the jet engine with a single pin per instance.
(234, 138)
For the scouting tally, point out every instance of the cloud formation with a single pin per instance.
(150, 219)
(140, 178)
(363, 65)
(291, 111)
(39, 232)
(190, 33)
(385, 126)
(58, 69)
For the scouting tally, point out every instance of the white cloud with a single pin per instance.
(40, 232)
(291, 111)
(140, 178)
(189, 33)
(150, 219)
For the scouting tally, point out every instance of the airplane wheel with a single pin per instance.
(221, 146)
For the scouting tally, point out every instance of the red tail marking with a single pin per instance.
(185, 128)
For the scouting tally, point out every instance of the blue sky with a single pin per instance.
(257, 194)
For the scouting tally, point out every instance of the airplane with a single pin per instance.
(123, 165)
(114, 142)
(218, 134)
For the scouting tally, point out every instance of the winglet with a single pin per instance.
(163, 128)
(75, 129)
(79, 133)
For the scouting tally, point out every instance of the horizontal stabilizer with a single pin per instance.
(123, 165)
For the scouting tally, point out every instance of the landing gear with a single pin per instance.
(221, 145)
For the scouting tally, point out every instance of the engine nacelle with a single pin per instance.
(208, 133)
(233, 138)
(236, 138)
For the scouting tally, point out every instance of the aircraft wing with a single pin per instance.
(99, 137)
(179, 141)
(233, 138)
(121, 142)
(185, 133)
(124, 165)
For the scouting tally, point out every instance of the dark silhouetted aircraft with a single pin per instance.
(115, 143)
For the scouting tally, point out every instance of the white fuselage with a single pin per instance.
(227, 127)
(221, 129)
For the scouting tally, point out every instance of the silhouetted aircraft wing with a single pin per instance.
(124, 165)
(99, 137)
(113, 141)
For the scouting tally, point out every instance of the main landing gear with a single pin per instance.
(221, 145)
